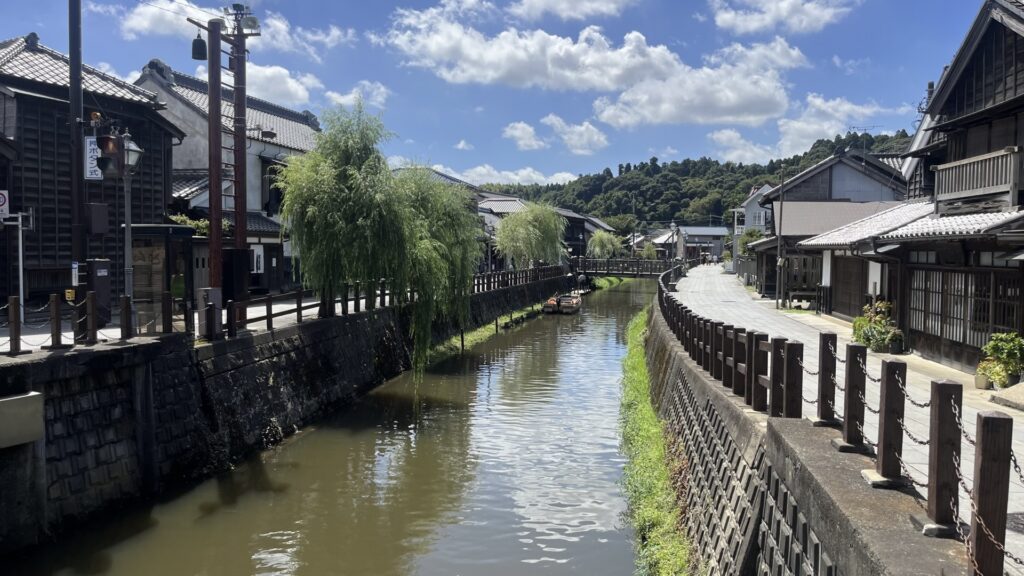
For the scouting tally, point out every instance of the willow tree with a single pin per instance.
(649, 252)
(534, 234)
(604, 245)
(445, 251)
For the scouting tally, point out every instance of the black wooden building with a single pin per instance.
(35, 163)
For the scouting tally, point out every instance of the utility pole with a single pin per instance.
(215, 159)
(75, 114)
(780, 281)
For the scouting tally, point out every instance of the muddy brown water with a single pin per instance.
(502, 462)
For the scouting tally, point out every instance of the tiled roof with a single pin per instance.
(25, 58)
(256, 223)
(814, 218)
(600, 224)
(953, 226)
(874, 225)
(503, 206)
(295, 130)
(187, 184)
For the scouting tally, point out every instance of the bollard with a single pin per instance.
(127, 330)
(371, 295)
(888, 472)
(77, 326)
(383, 293)
(708, 337)
(166, 313)
(762, 382)
(211, 320)
(298, 306)
(344, 298)
(739, 381)
(14, 325)
(749, 377)
(270, 312)
(944, 449)
(991, 491)
(686, 329)
(91, 322)
(355, 292)
(56, 338)
(727, 356)
(232, 319)
(826, 380)
(793, 381)
(776, 398)
(717, 347)
(853, 406)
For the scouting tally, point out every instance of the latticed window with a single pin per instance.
(964, 307)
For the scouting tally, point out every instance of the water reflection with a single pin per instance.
(502, 461)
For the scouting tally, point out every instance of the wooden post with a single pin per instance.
(167, 312)
(383, 293)
(356, 304)
(853, 406)
(759, 394)
(890, 433)
(270, 312)
(232, 319)
(776, 398)
(127, 329)
(718, 331)
(724, 354)
(706, 348)
(991, 491)
(91, 321)
(826, 379)
(211, 316)
(344, 298)
(943, 488)
(298, 306)
(738, 354)
(793, 380)
(14, 325)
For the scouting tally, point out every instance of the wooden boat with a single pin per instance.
(551, 306)
(569, 303)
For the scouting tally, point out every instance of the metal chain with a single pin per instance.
(34, 326)
(45, 306)
(906, 472)
(960, 425)
(981, 521)
(30, 343)
(836, 384)
(867, 406)
(906, 394)
(814, 401)
(910, 434)
(961, 535)
(864, 437)
(5, 307)
(832, 349)
(1016, 465)
(835, 410)
(809, 373)
(864, 369)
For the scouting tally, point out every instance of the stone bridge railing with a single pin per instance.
(770, 492)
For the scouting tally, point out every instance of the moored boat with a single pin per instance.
(569, 303)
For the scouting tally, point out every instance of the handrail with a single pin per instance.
(1009, 150)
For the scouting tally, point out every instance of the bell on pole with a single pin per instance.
(199, 48)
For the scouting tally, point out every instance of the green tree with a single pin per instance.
(649, 252)
(749, 235)
(604, 245)
(534, 234)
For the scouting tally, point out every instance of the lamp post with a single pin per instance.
(128, 158)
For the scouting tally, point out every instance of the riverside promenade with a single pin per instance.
(711, 293)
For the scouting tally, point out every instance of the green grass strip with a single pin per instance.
(602, 282)
(452, 347)
(661, 549)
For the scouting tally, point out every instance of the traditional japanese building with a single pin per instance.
(35, 167)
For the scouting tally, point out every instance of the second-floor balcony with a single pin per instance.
(986, 175)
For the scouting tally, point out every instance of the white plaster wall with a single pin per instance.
(826, 268)
(874, 278)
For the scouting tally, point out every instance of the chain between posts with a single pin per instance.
(906, 473)
(981, 521)
(838, 386)
(906, 394)
(864, 436)
(864, 369)
(808, 372)
(1016, 465)
(868, 407)
(813, 402)
(910, 434)
(832, 349)
(960, 425)
(961, 535)
(835, 410)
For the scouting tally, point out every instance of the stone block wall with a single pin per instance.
(770, 496)
(126, 421)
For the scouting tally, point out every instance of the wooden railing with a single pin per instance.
(994, 173)
(624, 266)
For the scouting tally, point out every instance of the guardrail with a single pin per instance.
(768, 374)
(623, 266)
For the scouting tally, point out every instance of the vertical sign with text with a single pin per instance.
(5, 203)
(92, 152)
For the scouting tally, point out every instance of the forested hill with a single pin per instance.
(687, 191)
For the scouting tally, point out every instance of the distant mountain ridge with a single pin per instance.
(690, 192)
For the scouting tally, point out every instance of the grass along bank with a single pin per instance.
(661, 549)
(603, 282)
(453, 346)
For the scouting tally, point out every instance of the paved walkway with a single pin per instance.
(713, 294)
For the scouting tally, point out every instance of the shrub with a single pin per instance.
(994, 371)
(1007, 349)
(875, 329)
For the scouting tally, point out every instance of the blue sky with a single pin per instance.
(541, 90)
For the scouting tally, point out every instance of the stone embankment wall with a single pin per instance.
(771, 496)
(124, 422)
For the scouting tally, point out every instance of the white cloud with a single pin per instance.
(581, 139)
(700, 17)
(794, 16)
(168, 18)
(851, 66)
(274, 83)
(819, 118)
(372, 94)
(737, 85)
(666, 152)
(464, 146)
(487, 174)
(106, 68)
(568, 9)
(524, 136)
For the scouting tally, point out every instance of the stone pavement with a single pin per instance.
(713, 294)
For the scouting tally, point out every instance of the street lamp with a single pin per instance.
(675, 234)
(129, 156)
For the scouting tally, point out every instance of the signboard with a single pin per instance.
(5, 203)
(74, 273)
(92, 152)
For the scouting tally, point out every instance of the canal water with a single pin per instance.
(504, 461)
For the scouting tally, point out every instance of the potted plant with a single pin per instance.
(1007, 350)
(990, 372)
(894, 340)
